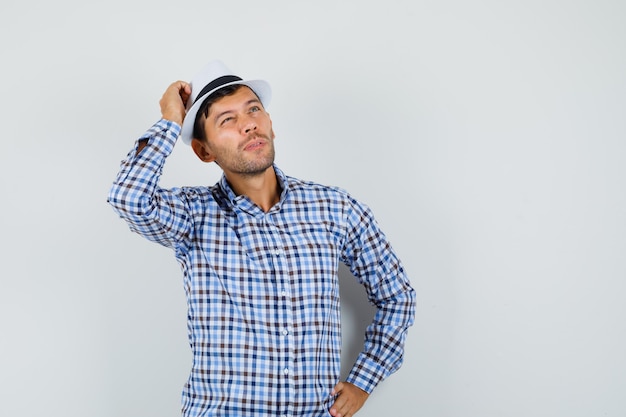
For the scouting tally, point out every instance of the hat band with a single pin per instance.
(216, 83)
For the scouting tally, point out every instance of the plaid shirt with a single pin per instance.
(262, 288)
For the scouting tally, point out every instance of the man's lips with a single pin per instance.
(254, 144)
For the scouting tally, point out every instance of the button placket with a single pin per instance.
(279, 264)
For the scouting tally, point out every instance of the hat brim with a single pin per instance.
(260, 87)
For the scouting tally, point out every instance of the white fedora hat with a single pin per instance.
(211, 78)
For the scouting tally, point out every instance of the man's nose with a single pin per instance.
(249, 125)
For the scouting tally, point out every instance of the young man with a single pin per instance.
(259, 252)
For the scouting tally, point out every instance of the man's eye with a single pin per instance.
(226, 120)
(255, 108)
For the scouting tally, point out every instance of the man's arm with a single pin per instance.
(156, 214)
(372, 260)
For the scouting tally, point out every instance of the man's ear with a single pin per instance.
(201, 150)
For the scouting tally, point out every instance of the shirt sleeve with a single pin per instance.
(159, 215)
(370, 257)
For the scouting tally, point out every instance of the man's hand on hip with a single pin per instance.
(349, 400)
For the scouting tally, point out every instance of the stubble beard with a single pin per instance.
(257, 165)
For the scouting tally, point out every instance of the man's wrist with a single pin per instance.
(176, 120)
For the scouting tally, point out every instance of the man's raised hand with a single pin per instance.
(174, 101)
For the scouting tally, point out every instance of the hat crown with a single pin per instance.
(213, 71)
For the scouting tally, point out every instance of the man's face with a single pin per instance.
(239, 134)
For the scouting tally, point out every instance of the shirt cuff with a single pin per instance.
(162, 136)
(366, 373)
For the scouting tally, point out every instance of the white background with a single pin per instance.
(487, 136)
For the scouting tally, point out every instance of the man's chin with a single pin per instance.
(257, 168)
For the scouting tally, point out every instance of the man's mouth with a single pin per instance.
(254, 144)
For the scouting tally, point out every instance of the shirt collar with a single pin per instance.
(244, 202)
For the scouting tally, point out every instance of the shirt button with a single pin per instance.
(283, 293)
(285, 332)
(277, 252)
(286, 371)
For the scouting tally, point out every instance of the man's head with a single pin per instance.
(233, 130)
(213, 77)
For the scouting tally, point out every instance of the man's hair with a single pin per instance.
(203, 111)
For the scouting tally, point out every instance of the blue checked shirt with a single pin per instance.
(262, 288)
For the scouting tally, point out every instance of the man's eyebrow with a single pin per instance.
(246, 104)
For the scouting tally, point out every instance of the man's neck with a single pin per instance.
(262, 189)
